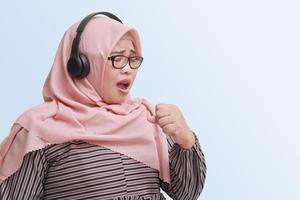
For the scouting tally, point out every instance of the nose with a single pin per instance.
(126, 69)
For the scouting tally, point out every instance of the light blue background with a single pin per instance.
(231, 66)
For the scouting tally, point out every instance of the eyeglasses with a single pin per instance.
(120, 61)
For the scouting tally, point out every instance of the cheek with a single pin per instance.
(110, 75)
(134, 74)
(109, 79)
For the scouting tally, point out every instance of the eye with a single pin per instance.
(135, 59)
(118, 58)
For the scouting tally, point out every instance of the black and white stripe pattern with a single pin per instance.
(188, 172)
(79, 171)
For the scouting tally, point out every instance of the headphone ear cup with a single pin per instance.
(78, 67)
(85, 70)
(74, 66)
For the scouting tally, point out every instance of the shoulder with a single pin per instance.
(38, 112)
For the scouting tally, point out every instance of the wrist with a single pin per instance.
(185, 140)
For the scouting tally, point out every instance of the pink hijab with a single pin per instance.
(74, 110)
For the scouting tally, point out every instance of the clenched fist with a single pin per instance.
(172, 122)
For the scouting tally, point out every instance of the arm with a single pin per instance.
(188, 171)
(27, 182)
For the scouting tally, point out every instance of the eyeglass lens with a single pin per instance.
(121, 61)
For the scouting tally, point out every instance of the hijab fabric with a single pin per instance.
(74, 110)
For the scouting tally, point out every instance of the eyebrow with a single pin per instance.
(123, 51)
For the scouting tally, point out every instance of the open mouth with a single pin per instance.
(123, 85)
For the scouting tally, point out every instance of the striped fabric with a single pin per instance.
(78, 171)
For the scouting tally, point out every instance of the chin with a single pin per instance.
(115, 100)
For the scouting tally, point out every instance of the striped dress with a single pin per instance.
(79, 170)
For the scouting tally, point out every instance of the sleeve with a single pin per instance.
(27, 182)
(187, 169)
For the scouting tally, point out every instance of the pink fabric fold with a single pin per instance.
(74, 110)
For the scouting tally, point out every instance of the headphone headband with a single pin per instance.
(85, 20)
(82, 25)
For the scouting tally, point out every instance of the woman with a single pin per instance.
(89, 139)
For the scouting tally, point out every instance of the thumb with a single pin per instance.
(152, 118)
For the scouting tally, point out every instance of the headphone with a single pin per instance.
(78, 64)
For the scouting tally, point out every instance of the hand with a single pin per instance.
(172, 122)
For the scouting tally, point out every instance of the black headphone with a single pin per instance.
(78, 64)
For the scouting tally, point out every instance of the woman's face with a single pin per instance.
(118, 82)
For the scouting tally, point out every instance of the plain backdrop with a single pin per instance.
(231, 66)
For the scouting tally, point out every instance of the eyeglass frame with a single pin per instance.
(111, 58)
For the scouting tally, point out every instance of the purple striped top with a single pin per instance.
(79, 170)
